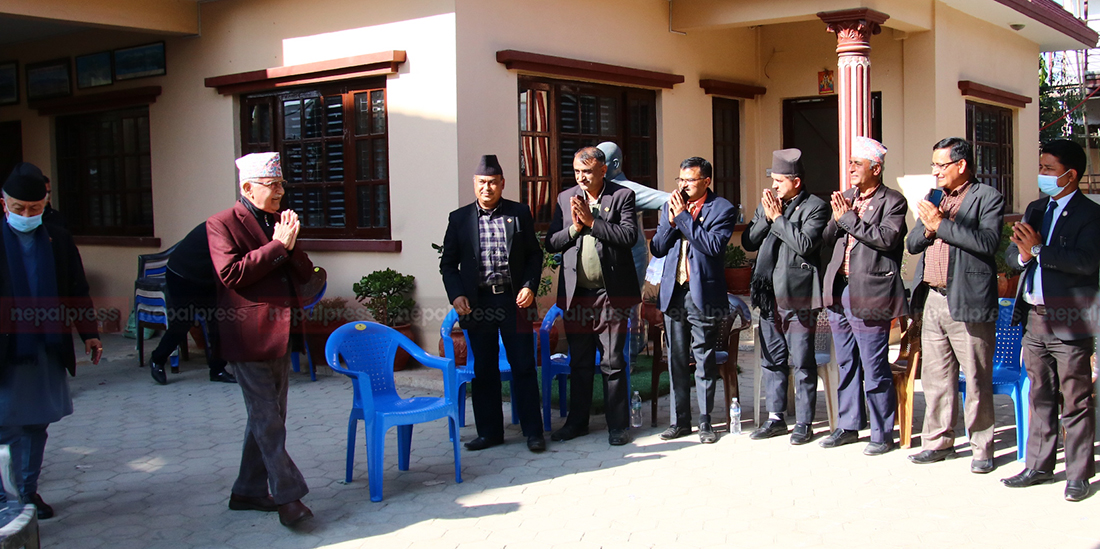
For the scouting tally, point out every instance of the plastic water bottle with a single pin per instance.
(735, 417)
(636, 410)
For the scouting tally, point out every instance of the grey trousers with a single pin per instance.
(947, 346)
(692, 335)
(265, 463)
(788, 342)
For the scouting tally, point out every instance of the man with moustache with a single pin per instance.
(253, 248)
(956, 288)
(491, 266)
(786, 285)
(863, 292)
(597, 287)
(1058, 248)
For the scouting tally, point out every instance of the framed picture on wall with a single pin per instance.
(94, 70)
(48, 79)
(9, 83)
(140, 61)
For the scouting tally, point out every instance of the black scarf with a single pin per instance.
(266, 220)
(762, 289)
(35, 318)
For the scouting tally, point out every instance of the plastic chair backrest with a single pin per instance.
(308, 307)
(368, 348)
(1006, 354)
(154, 265)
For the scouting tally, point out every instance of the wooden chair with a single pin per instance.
(906, 370)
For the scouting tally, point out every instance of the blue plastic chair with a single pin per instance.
(466, 373)
(151, 301)
(367, 349)
(308, 308)
(1009, 375)
(556, 366)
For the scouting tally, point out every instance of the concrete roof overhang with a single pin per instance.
(40, 19)
(1044, 22)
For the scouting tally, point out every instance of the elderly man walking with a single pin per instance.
(253, 249)
(956, 287)
(41, 277)
(863, 291)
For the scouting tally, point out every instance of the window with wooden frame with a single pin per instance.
(333, 143)
(104, 178)
(989, 130)
(726, 115)
(556, 118)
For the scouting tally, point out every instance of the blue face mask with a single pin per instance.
(24, 224)
(1048, 184)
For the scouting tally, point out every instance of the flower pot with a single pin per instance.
(738, 279)
(1006, 287)
(401, 358)
(459, 340)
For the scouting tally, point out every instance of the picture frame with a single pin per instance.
(140, 61)
(48, 79)
(9, 83)
(94, 70)
(825, 82)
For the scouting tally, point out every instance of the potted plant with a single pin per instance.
(329, 314)
(738, 270)
(386, 295)
(1007, 277)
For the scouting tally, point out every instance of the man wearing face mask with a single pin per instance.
(42, 277)
(786, 285)
(1058, 248)
(253, 248)
(692, 233)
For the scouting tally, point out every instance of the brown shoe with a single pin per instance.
(294, 512)
(245, 503)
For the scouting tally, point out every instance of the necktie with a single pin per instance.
(1044, 234)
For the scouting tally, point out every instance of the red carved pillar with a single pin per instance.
(853, 30)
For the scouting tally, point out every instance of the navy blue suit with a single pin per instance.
(693, 311)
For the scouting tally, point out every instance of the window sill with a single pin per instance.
(118, 241)
(350, 245)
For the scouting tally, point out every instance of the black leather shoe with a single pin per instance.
(222, 377)
(878, 448)
(246, 503)
(46, 512)
(801, 434)
(481, 443)
(770, 428)
(839, 437)
(618, 437)
(707, 434)
(675, 431)
(981, 466)
(1027, 477)
(157, 371)
(536, 443)
(933, 456)
(568, 432)
(1076, 490)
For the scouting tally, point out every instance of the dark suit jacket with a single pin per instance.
(190, 260)
(797, 275)
(460, 264)
(874, 282)
(1070, 264)
(708, 235)
(255, 295)
(615, 235)
(971, 270)
(72, 288)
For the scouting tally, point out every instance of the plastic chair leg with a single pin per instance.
(294, 364)
(462, 405)
(309, 359)
(376, 451)
(352, 424)
(1024, 419)
(404, 446)
(458, 456)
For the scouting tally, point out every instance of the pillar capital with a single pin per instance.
(853, 29)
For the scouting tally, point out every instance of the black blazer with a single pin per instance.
(971, 269)
(875, 284)
(1070, 264)
(615, 232)
(460, 264)
(797, 274)
(72, 287)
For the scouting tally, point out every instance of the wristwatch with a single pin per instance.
(1036, 249)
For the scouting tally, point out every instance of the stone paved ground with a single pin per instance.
(140, 465)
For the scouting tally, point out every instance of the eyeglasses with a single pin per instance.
(941, 167)
(682, 180)
(270, 184)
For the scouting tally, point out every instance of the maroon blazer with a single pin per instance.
(257, 308)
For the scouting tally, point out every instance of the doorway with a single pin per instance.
(811, 125)
(11, 147)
